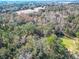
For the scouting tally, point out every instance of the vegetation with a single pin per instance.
(51, 35)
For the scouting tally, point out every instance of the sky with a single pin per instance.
(38, 0)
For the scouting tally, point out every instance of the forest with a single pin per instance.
(50, 34)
